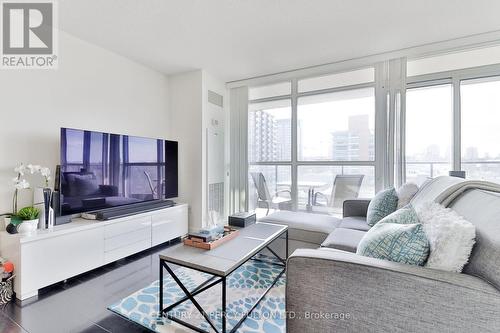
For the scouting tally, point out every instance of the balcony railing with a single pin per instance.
(438, 168)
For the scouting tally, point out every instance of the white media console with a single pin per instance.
(54, 255)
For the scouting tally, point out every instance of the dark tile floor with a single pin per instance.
(80, 304)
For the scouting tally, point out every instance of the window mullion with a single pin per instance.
(294, 126)
(457, 157)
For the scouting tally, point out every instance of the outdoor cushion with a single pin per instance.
(344, 239)
(354, 222)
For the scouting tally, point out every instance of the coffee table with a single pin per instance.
(220, 263)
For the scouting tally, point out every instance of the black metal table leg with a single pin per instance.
(160, 312)
(286, 247)
(224, 319)
(190, 296)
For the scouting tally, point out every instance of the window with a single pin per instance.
(429, 123)
(337, 127)
(270, 131)
(480, 112)
(332, 156)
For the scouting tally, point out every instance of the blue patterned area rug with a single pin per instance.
(244, 286)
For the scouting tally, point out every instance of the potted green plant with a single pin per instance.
(20, 183)
(26, 220)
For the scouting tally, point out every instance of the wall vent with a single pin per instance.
(216, 198)
(215, 98)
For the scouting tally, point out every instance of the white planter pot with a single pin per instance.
(27, 227)
(6, 220)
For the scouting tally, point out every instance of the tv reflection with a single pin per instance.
(104, 170)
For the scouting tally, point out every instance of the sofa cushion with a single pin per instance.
(306, 227)
(383, 203)
(403, 243)
(354, 222)
(344, 239)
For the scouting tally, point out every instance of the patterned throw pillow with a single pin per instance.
(405, 215)
(403, 243)
(384, 203)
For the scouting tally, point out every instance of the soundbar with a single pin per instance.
(117, 212)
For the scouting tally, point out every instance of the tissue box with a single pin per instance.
(242, 219)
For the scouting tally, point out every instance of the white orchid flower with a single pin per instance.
(20, 169)
(45, 172)
(22, 184)
(33, 168)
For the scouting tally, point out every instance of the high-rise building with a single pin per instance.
(355, 144)
(284, 139)
(262, 136)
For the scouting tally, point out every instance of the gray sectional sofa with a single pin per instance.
(311, 231)
(331, 289)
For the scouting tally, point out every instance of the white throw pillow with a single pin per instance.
(405, 193)
(451, 237)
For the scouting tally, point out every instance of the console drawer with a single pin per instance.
(124, 240)
(125, 227)
(168, 225)
(126, 250)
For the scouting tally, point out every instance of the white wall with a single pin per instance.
(191, 116)
(92, 89)
(185, 94)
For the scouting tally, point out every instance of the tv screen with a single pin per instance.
(104, 170)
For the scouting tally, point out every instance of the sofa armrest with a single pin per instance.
(355, 207)
(331, 290)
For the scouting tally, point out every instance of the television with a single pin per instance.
(104, 170)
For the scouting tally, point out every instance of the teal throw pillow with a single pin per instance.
(405, 215)
(403, 243)
(384, 203)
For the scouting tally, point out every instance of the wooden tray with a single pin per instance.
(229, 233)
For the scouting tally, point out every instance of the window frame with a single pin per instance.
(453, 77)
(294, 96)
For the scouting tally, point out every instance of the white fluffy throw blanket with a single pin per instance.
(451, 237)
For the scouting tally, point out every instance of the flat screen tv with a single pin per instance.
(105, 170)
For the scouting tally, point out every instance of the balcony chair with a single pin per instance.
(265, 200)
(344, 187)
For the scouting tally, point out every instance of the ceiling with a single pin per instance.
(237, 39)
